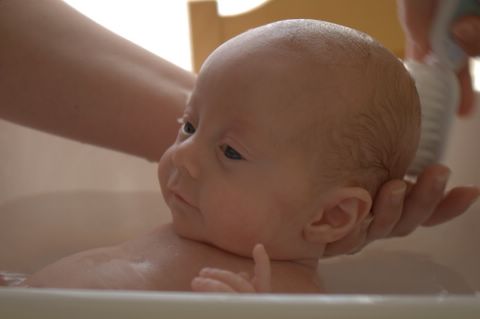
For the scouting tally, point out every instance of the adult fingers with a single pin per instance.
(387, 209)
(466, 31)
(415, 18)
(467, 96)
(455, 203)
(422, 200)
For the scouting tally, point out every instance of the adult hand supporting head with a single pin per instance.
(401, 207)
(415, 17)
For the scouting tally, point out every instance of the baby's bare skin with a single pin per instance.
(237, 176)
(161, 260)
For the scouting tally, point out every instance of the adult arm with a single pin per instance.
(62, 73)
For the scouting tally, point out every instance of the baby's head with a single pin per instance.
(291, 129)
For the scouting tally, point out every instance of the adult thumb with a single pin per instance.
(466, 31)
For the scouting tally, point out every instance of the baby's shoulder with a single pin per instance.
(170, 261)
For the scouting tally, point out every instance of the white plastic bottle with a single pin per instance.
(437, 83)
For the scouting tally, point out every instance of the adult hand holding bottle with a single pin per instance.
(415, 17)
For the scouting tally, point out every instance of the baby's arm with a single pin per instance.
(219, 280)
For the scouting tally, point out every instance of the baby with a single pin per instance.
(290, 131)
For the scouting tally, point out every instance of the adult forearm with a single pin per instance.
(62, 73)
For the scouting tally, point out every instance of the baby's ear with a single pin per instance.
(341, 211)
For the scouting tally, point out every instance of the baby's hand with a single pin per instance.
(219, 280)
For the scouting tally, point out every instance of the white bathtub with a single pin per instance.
(58, 197)
(72, 304)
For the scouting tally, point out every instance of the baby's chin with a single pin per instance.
(241, 247)
(185, 232)
(182, 230)
(189, 232)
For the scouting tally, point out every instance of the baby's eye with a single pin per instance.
(188, 128)
(231, 153)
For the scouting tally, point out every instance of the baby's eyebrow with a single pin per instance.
(242, 127)
(246, 133)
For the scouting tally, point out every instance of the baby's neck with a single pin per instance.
(287, 276)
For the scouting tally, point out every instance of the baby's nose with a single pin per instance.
(186, 157)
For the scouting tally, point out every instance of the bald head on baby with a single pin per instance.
(338, 96)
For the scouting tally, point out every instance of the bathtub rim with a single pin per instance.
(81, 303)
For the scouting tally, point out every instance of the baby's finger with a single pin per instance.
(262, 279)
(422, 199)
(244, 275)
(200, 284)
(235, 281)
(455, 203)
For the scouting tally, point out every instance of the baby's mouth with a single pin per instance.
(183, 200)
(174, 188)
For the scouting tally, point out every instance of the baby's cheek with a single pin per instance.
(231, 219)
